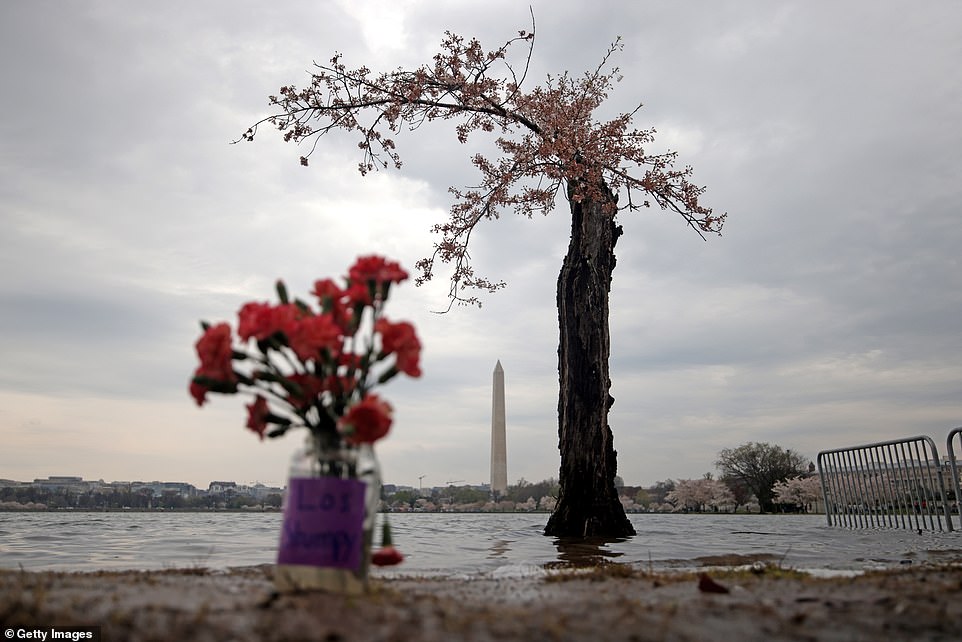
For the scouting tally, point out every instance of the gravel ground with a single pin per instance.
(612, 602)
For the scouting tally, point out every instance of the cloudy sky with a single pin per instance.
(828, 314)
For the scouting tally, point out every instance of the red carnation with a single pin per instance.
(377, 269)
(253, 321)
(401, 340)
(214, 350)
(387, 556)
(257, 415)
(366, 421)
(311, 334)
(197, 391)
(326, 290)
(357, 293)
(261, 320)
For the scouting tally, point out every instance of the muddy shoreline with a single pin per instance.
(611, 602)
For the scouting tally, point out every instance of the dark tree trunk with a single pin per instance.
(588, 503)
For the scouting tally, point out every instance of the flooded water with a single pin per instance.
(460, 545)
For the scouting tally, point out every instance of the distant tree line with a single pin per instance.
(522, 496)
(12, 497)
(756, 477)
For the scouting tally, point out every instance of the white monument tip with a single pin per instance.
(498, 366)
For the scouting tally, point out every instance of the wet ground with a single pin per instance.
(610, 602)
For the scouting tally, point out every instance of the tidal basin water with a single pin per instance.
(460, 545)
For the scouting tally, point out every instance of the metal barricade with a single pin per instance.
(896, 484)
(956, 484)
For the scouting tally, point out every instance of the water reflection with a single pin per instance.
(466, 544)
(499, 549)
(586, 551)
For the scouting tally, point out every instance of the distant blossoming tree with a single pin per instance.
(798, 491)
(549, 143)
(699, 494)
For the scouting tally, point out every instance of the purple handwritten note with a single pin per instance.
(323, 523)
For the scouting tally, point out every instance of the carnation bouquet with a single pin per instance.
(316, 367)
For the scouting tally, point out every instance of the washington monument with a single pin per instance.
(499, 454)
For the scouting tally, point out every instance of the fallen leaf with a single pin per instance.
(708, 585)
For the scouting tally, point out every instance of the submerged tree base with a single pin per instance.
(572, 520)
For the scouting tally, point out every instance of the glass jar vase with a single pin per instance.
(330, 507)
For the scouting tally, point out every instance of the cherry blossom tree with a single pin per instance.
(549, 144)
(798, 491)
(699, 494)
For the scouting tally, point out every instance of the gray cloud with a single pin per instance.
(827, 314)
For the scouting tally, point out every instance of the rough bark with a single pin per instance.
(588, 502)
